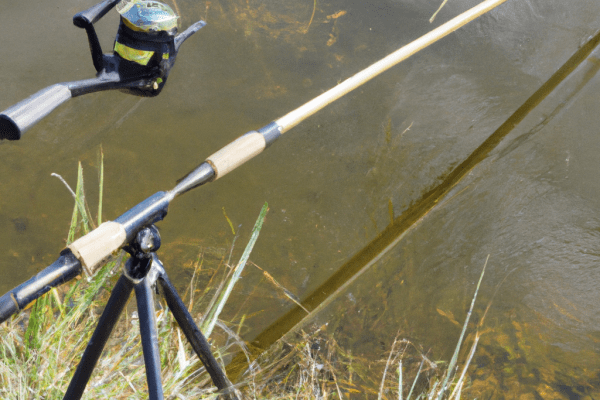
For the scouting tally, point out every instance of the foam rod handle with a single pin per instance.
(94, 13)
(15, 120)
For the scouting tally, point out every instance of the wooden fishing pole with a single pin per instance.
(90, 251)
(253, 143)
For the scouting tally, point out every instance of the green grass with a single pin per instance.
(40, 348)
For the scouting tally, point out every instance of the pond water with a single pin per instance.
(395, 180)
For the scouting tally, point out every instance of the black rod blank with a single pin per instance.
(65, 268)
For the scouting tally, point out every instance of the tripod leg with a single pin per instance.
(193, 334)
(149, 332)
(110, 316)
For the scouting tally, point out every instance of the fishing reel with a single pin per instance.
(144, 52)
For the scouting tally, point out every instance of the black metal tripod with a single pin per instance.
(144, 272)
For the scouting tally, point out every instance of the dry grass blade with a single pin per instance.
(437, 11)
(312, 16)
(400, 390)
(412, 388)
(101, 191)
(281, 288)
(459, 384)
(387, 365)
(454, 360)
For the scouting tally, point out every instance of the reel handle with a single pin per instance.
(15, 120)
(94, 13)
(86, 20)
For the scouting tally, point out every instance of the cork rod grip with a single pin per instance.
(236, 153)
(95, 247)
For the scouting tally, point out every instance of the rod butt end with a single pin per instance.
(9, 129)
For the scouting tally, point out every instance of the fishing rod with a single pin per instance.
(144, 52)
(135, 228)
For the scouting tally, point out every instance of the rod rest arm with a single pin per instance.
(65, 268)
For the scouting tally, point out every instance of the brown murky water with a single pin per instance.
(357, 172)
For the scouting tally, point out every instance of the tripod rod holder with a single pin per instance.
(143, 272)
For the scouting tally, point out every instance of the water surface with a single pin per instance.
(338, 180)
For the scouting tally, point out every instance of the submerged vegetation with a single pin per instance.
(40, 348)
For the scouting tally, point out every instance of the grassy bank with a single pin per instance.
(40, 348)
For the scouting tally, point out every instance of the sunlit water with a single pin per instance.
(339, 179)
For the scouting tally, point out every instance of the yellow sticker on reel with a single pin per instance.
(141, 57)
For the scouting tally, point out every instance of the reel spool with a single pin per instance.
(145, 42)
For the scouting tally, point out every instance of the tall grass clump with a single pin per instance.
(40, 347)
